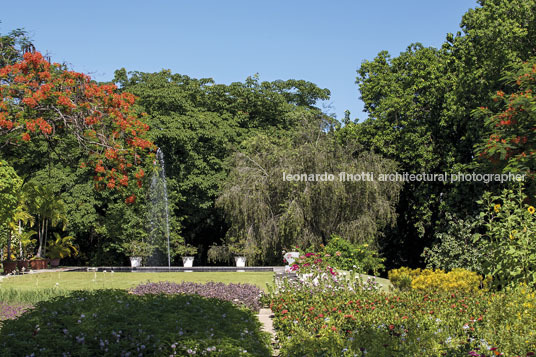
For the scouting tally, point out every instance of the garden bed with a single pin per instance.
(337, 318)
(114, 322)
(246, 295)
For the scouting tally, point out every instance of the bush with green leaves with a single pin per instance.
(345, 255)
(509, 242)
(335, 318)
(116, 323)
(455, 246)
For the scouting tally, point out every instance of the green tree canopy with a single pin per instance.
(268, 212)
(10, 185)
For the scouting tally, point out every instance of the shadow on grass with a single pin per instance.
(116, 323)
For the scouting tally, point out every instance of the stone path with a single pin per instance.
(265, 317)
(50, 270)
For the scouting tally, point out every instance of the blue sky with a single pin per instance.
(319, 41)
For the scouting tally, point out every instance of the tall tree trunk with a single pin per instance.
(45, 239)
(21, 252)
(8, 243)
(41, 233)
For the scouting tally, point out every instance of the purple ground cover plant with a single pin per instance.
(247, 295)
(11, 311)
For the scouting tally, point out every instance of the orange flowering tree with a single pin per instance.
(38, 98)
(511, 144)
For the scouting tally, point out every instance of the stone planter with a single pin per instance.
(187, 262)
(23, 265)
(38, 264)
(240, 261)
(10, 266)
(135, 262)
(54, 262)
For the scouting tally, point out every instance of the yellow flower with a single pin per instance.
(497, 207)
(514, 232)
(531, 210)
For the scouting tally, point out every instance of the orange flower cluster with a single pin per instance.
(512, 140)
(40, 98)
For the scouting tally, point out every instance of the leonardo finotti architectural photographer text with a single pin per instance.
(403, 177)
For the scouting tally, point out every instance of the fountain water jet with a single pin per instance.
(158, 214)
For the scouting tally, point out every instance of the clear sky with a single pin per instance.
(320, 41)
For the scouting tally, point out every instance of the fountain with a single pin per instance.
(158, 214)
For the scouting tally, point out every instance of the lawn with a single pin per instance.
(31, 288)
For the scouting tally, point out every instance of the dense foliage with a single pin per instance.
(335, 317)
(113, 323)
(421, 106)
(199, 124)
(345, 255)
(509, 242)
(427, 280)
(268, 210)
(39, 98)
(466, 106)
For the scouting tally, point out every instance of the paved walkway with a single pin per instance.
(31, 271)
(265, 317)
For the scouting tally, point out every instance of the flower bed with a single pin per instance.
(247, 295)
(338, 317)
(11, 311)
(116, 323)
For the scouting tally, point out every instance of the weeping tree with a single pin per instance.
(269, 213)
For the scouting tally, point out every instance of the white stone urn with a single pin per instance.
(135, 262)
(187, 262)
(240, 261)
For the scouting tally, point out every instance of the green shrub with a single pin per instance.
(115, 323)
(509, 239)
(430, 281)
(329, 319)
(401, 278)
(345, 255)
(455, 246)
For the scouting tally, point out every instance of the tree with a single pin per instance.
(50, 211)
(421, 104)
(39, 98)
(266, 211)
(10, 186)
(404, 97)
(511, 142)
(198, 124)
(12, 46)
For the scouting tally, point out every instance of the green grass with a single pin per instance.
(92, 280)
(385, 284)
(32, 288)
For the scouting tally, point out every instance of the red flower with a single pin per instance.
(26, 137)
